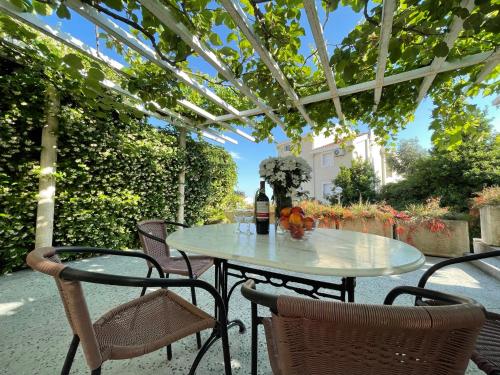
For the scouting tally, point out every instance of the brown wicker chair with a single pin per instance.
(306, 336)
(153, 234)
(486, 354)
(138, 327)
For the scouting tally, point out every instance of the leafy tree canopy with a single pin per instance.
(452, 174)
(418, 33)
(358, 183)
(407, 154)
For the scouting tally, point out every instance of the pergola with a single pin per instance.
(167, 18)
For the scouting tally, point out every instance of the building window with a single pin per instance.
(327, 190)
(287, 148)
(327, 159)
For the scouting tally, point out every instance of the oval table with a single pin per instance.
(327, 252)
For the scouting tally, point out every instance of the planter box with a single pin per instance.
(490, 225)
(372, 226)
(327, 222)
(452, 242)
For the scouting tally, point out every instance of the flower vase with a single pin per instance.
(281, 201)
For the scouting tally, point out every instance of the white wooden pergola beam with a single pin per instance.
(76, 44)
(488, 67)
(478, 58)
(176, 118)
(144, 50)
(62, 37)
(450, 38)
(241, 20)
(168, 19)
(388, 9)
(156, 115)
(317, 30)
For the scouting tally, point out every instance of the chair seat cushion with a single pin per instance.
(148, 323)
(487, 352)
(178, 266)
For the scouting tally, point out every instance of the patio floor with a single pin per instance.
(35, 335)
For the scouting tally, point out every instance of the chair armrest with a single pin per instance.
(426, 293)
(260, 298)
(150, 236)
(73, 274)
(176, 224)
(96, 250)
(467, 258)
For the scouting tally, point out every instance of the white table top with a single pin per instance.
(328, 252)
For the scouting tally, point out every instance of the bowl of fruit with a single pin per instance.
(294, 221)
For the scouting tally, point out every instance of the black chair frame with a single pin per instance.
(73, 274)
(188, 264)
(271, 301)
(466, 258)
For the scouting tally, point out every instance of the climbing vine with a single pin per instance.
(113, 170)
(418, 33)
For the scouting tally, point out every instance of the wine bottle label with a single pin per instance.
(262, 211)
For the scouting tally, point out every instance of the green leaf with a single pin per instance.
(349, 72)
(474, 22)
(74, 61)
(215, 39)
(231, 36)
(228, 51)
(114, 4)
(395, 49)
(63, 12)
(18, 4)
(441, 49)
(95, 74)
(42, 8)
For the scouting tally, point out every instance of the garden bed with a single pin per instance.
(452, 240)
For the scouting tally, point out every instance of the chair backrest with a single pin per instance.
(158, 250)
(45, 260)
(322, 337)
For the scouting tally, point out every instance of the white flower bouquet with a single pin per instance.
(284, 174)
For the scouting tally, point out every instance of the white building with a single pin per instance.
(326, 157)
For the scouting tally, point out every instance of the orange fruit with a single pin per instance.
(296, 231)
(297, 210)
(295, 219)
(309, 223)
(285, 211)
(284, 223)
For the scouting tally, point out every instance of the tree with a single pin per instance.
(403, 160)
(453, 174)
(357, 182)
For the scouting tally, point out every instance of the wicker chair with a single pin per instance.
(306, 336)
(486, 354)
(153, 234)
(138, 327)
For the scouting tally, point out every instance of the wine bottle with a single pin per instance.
(262, 210)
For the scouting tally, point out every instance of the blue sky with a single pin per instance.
(248, 154)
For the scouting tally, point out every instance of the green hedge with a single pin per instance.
(111, 172)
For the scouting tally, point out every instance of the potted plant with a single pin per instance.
(488, 202)
(368, 218)
(434, 230)
(326, 215)
(284, 174)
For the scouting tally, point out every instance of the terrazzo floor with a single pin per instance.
(34, 332)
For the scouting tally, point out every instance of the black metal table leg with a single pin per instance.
(350, 286)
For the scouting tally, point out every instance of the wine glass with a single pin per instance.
(249, 220)
(239, 217)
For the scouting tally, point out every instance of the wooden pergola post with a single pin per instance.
(182, 177)
(47, 182)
